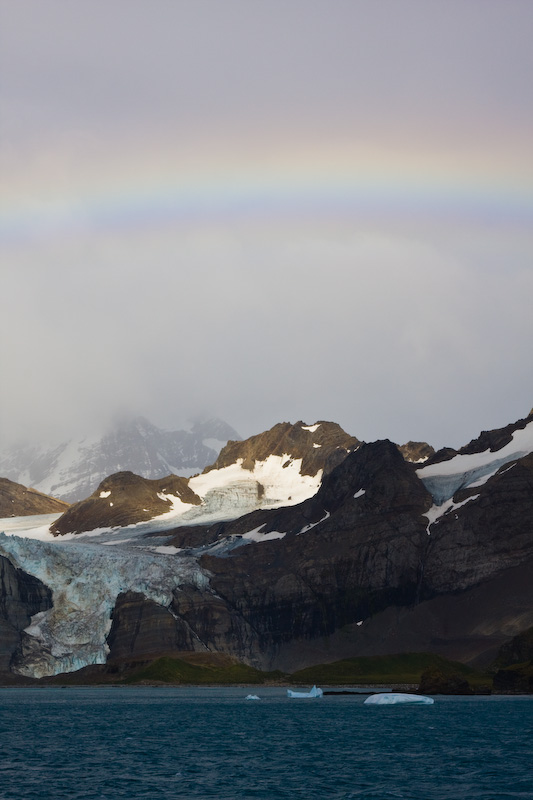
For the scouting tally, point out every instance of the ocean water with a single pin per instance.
(150, 743)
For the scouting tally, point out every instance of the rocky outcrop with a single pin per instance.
(124, 499)
(497, 439)
(144, 629)
(320, 446)
(21, 596)
(19, 501)
(514, 680)
(196, 621)
(416, 452)
(435, 681)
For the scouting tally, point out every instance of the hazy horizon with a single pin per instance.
(265, 213)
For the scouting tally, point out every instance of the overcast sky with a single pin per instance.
(267, 211)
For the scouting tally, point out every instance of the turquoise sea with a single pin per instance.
(150, 743)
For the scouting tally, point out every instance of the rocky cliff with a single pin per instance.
(21, 596)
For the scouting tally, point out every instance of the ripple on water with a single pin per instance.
(145, 744)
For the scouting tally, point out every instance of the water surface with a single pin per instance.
(146, 743)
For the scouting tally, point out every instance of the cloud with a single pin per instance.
(180, 232)
(383, 334)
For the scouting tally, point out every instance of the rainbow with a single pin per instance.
(345, 184)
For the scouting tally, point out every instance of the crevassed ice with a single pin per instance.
(85, 580)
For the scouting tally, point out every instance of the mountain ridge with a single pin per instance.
(376, 555)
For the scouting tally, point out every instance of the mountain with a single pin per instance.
(282, 466)
(17, 501)
(72, 470)
(284, 562)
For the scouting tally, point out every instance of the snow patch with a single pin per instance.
(313, 524)
(436, 512)
(104, 494)
(360, 493)
(311, 428)
(257, 536)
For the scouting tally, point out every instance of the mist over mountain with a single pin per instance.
(73, 469)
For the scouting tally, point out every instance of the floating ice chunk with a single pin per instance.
(395, 698)
(252, 697)
(314, 692)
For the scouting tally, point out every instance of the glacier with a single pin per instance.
(86, 579)
(444, 479)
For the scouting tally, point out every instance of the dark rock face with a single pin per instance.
(320, 446)
(196, 621)
(21, 596)
(358, 551)
(485, 536)
(144, 629)
(19, 501)
(123, 499)
(364, 555)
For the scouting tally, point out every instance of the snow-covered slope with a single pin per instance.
(283, 466)
(73, 470)
(468, 470)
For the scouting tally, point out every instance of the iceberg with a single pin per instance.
(252, 697)
(314, 692)
(395, 698)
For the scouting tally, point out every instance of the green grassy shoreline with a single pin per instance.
(216, 669)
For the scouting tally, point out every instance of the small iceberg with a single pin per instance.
(252, 697)
(395, 698)
(314, 692)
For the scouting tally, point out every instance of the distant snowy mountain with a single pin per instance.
(72, 470)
